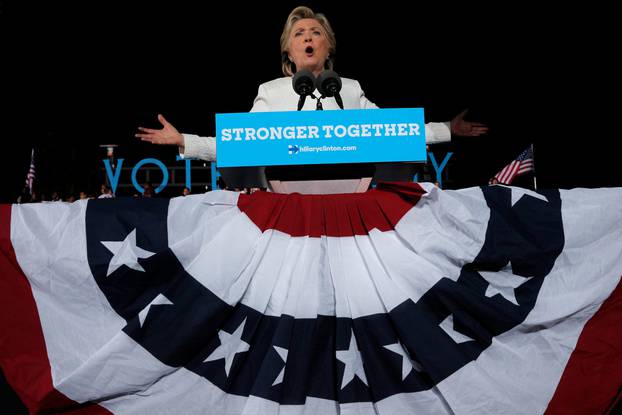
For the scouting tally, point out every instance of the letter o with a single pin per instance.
(262, 133)
(340, 131)
(158, 163)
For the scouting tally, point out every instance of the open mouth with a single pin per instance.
(309, 50)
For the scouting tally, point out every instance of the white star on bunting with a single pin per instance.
(503, 282)
(230, 345)
(283, 354)
(353, 361)
(519, 192)
(159, 300)
(448, 326)
(407, 363)
(126, 253)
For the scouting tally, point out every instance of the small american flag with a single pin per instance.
(30, 177)
(522, 164)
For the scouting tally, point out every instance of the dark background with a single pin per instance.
(79, 75)
(82, 74)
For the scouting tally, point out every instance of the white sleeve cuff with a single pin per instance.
(196, 147)
(437, 132)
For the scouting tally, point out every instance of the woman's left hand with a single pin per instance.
(459, 126)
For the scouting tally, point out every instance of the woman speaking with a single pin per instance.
(307, 43)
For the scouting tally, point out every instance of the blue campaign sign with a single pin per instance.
(320, 137)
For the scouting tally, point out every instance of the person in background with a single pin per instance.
(106, 192)
(25, 196)
(148, 190)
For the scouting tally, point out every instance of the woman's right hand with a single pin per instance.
(167, 135)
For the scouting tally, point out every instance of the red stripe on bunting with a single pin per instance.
(23, 357)
(592, 379)
(332, 215)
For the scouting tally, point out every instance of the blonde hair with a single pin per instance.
(287, 66)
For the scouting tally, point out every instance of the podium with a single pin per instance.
(318, 152)
(312, 179)
(320, 179)
(321, 187)
(248, 177)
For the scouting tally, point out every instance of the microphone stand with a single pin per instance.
(338, 99)
(319, 107)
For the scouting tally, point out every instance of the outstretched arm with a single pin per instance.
(437, 132)
(190, 145)
(167, 135)
(459, 126)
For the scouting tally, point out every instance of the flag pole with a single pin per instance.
(29, 177)
(533, 155)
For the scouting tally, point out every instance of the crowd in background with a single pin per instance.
(105, 192)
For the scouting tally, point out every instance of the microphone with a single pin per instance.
(328, 84)
(304, 84)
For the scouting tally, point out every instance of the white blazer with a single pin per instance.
(279, 95)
